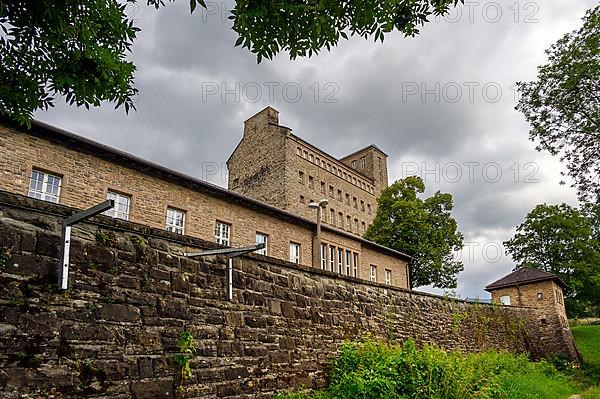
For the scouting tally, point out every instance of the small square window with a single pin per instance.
(44, 186)
(175, 220)
(222, 233)
(262, 239)
(294, 252)
(122, 205)
(540, 296)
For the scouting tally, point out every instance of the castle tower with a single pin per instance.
(542, 291)
(273, 165)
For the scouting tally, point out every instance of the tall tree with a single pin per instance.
(422, 228)
(563, 105)
(78, 48)
(559, 239)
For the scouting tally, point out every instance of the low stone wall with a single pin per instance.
(114, 332)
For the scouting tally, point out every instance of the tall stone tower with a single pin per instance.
(273, 165)
(542, 291)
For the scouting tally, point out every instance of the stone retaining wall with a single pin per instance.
(114, 332)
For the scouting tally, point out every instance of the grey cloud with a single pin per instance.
(179, 54)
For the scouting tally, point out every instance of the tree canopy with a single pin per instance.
(560, 239)
(563, 105)
(421, 228)
(78, 48)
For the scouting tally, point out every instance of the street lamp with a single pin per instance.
(317, 238)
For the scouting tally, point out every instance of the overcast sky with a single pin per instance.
(441, 105)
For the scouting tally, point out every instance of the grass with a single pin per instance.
(369, 370)
(587, 338)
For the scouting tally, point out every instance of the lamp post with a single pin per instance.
(317, 238)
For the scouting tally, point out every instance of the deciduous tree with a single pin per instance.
(421, 228)
(563, 105)
(559, 239)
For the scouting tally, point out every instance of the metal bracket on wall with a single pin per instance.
(230, 253)
(63, 270)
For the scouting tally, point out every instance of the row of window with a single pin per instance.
(358, 227)
(46, 186)
(336, 170)
(365, 207)
(344, 261)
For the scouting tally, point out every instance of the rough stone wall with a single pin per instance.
(550, 314)
(87, 178)
(257, 165)
(113, 334)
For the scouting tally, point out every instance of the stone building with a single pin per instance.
(543, 291)
(50, 164)
(273, 165)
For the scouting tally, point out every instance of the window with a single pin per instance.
(355, 265)
(323, 256)
(340, 219)
(348, 262)
(301, 177)
(363, 227)
(294, 252)
(369, 208)
(332, 258)
(348, 222)
(540, 296)
(323, 215)
(44, 186)
(331, 191)
(334, 170)
(235, 183)
(354, 164)
(311, 158)
(388, 277)
(362, 205)
(317, 161)
(175, 220)
(340, 260)
(329, 167)
(299, 151)
(122, 205)
(305, 154)
(339, 195)
(262, 239)
(302, 200)
(354, 180)
(354, 202)
(505, 300)
(322, 187)
(363, 162)
(347, 198)
(373, 274)
(543, 322)
(356, 226)
(331, 216)
(222, 233)
(311, 182)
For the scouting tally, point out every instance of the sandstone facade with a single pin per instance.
(273, 165)
(88, 171)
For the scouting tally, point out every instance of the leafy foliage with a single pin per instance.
(303, 27)
(371, 370)
(422, 228)
(563, 105)
(559, 239)
(187, 347)
(78, 48)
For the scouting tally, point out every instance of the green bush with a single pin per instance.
(370, 370)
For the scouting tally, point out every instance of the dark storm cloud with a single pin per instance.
(429, 102)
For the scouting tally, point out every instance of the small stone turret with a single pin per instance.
(542, 291)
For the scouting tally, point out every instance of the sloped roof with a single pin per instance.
(522, 276)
